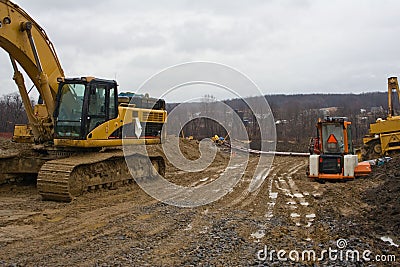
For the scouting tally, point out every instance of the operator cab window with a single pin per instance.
(102, 105)
(70, 110)
(332, 137)
(97, 106)
(112, 113)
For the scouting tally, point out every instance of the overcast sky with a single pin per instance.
(285, 46)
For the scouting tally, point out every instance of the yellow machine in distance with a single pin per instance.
(384, 135)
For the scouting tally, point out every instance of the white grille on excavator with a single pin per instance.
(153, 116)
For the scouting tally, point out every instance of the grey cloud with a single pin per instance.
(286, 46)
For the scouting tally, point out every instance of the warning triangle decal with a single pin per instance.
(332, 139)
(394, 138)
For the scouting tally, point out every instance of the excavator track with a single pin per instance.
(64, 179)
(17, 163)
(371, 150)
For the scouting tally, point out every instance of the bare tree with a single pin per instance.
(11, 112)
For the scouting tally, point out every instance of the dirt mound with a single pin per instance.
(291, 146)
(386, 197)
(190, 149)
(8, 147)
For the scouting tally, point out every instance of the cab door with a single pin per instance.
(101, 107)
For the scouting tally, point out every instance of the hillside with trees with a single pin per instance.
(11, 112)
(294, 115)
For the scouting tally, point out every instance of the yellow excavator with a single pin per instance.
(75, 121)
(384, 135)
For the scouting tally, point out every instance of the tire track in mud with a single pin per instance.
(80, 222)
(245, 196)
(98, 226)
(280, 185)
(298, 202)
(301, 211)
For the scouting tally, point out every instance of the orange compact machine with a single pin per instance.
(332, 156)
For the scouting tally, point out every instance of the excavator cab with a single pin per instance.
(89, 113)
(82, 105)
(335, 158)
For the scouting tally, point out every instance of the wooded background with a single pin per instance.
(294, 115)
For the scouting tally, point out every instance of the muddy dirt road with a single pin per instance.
(126, 227)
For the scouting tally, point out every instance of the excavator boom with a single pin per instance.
(25, 40)
(15, 41)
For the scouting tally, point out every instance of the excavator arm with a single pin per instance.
(27, 43)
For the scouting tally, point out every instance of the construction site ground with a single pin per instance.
(127, 227)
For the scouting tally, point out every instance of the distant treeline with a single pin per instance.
(295, 115)
(11, 112)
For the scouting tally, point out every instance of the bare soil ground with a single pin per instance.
(126, 227)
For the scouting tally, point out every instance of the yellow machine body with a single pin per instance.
(384, 135)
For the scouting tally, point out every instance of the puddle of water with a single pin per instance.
(189, 227)
(205, 229)
(273, 195)
(269, 215)
(230, 167)
(259, 234)
(234, 166)
(388, 239)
